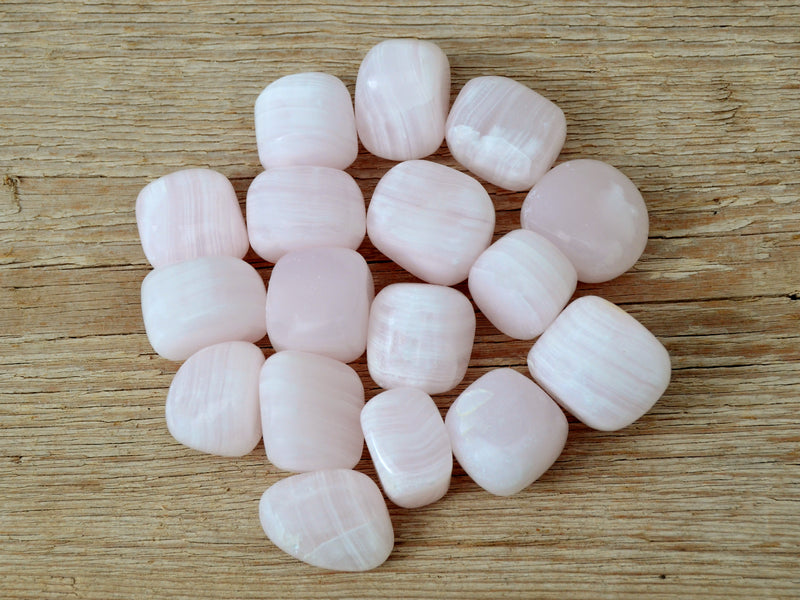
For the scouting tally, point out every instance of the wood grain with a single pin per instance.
(698, 102)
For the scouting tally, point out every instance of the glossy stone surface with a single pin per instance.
(505, 431)
(212, 404)
(310, 409)
(318, 301)
(593, 213)
(291, 208)
(431, 220)
(193, 304)
(334, 519)
(306, 119)
(505, 132)
(420, 336)
(409, 446)
(521, 283)
(188, 214)
(601, 364)
(402, 95)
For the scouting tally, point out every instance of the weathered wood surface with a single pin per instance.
(698, 102)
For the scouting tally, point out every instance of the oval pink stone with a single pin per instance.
(306, 119)
(334, 519)
(318, 301)
(212, 405)
(402, 95)
(505, 132)
(431, 220)
(421, 336)
(601, 364)
(190, 305)
(409, 446)
(291, 208)
(505, 431)
(521, 283)
(593, 213)
(310, 410)
(189, 214)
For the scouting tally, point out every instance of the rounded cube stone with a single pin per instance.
(189, 214)
(318, 301)
(600, 364)
(306, 119)
(504, 132)
(431, 220)
(193, 304)
(292, 208)
(420, 336)
(310, 408)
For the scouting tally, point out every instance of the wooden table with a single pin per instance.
(697, 102)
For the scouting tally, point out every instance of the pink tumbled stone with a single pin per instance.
(310, 408)
(212, 405)
(306, 119)
(505, 431)
(402, 95)
(409, 446)
(593, 213)
(193, 304)
(431, 220)
(333, 519)
(420, 336)
(521, 283)
(188, 214)
(318, 301)
(291, 208)
(505, 132)
(601, 364)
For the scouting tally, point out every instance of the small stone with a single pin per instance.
(409, 446)
(212, 405)
(333, 519)
(310, 410)
(402, 95)
(306, 119)
(505, 431)
(505, 132)
(521, 283)
(593, 213)
(193, 304)
(431, 220)
(292, 208)
(189, 214)
(600, 364)
(318, 301)
(420, 336)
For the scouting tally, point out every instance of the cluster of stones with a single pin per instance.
(583, 220)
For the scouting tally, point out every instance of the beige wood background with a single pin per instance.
(697, 101)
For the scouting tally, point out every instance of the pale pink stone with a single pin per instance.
(593, 213)
(306, 119)
(189, 214)
(402, 95)
(409, 446)
(193, 304)
(212, 405)
(420, 335)
(310, 410)
(505, 431)
(521, 283)
(318, 301)
(431, 220)
(601, 364)
(334, 519)
(505, 132)
(291, 208)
